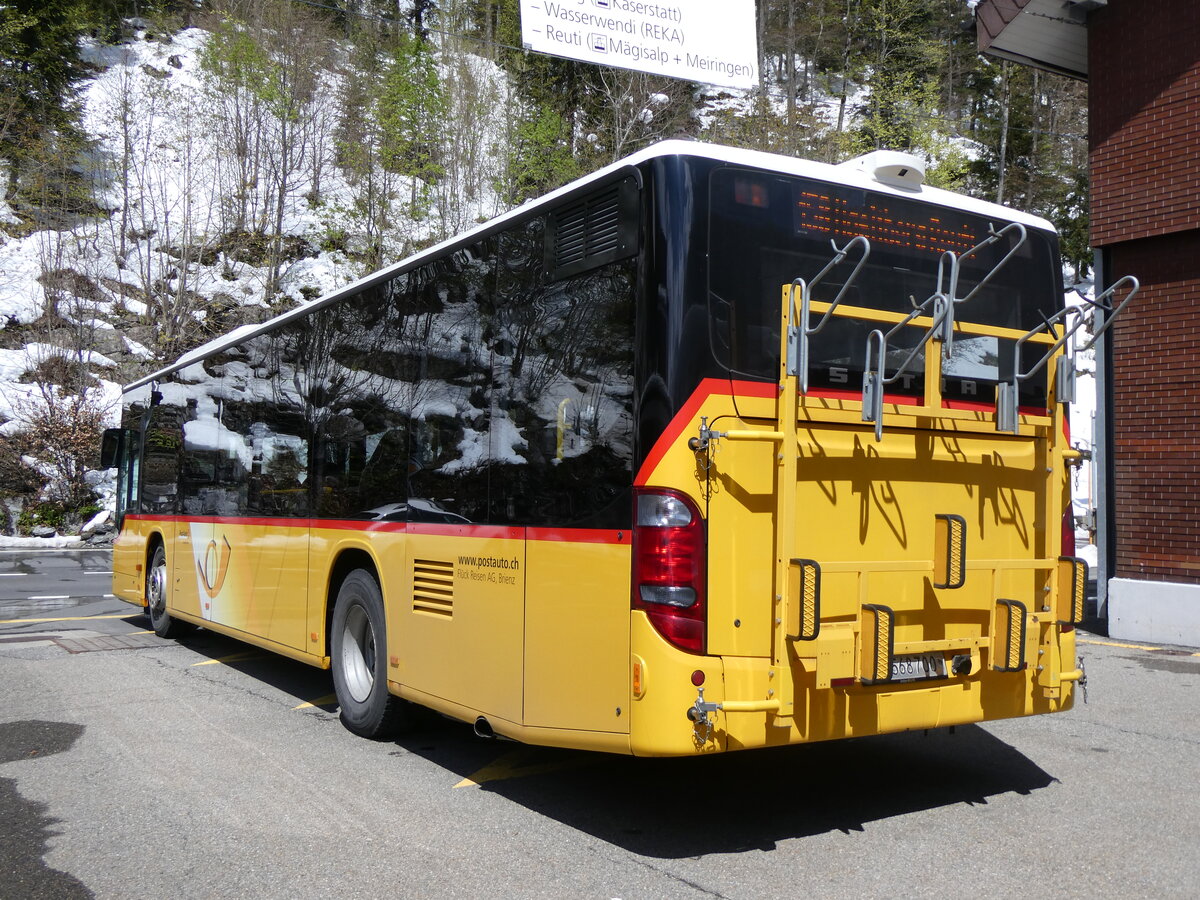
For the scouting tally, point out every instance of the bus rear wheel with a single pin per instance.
(359, 660)
(163, 623)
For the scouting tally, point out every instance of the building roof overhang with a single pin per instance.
(1046, 34)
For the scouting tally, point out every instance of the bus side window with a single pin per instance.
(160, 459)
(279, 482)
(216, 458)
(562, 391)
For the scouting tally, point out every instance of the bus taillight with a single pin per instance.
(669, 566)
(1068, 532)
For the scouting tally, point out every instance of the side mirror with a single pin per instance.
(110, 448)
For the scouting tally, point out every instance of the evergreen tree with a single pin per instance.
(901, 57)
(411, 111)
(550, 91)
(540, 154)
(40, 77)
(1071, 216)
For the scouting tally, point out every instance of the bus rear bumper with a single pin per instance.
(737, 707)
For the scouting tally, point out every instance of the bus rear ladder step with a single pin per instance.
(1008, 643)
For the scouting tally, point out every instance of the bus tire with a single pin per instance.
(358, 651)
(164, 625)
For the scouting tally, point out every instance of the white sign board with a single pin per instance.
(710, 41)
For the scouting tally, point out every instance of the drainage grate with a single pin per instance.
(109, 642)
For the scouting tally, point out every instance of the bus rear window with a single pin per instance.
(764, 233)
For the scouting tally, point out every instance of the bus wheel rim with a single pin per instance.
(158, 593)
(358, 654)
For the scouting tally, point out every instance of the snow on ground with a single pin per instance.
(307, 279)
(7, 216)
(59, 541)
(21, 296)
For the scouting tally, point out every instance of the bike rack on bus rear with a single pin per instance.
(799, 330)
(1007, 399)
(941, 303)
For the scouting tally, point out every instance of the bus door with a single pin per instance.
(242, 571)
(120, 450)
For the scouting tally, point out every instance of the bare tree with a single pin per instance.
(477, 102)
(266, 60)
(171, 210)
(64, 428)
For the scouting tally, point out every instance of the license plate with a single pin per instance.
(918, 666)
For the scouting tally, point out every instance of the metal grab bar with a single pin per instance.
(798, 327)
(956, 262)
(1111, 312)
(943, 301)
(875, 377)
(1007, 405)
(992, 237)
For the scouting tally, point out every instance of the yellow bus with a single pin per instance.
(702, 452)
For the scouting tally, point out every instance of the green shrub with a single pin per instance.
(43, 513)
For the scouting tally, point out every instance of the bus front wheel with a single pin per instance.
(164, 625)
(359, 660)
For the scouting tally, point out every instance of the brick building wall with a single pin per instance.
(1144, 98)
(1156, 405)
(1144, 119)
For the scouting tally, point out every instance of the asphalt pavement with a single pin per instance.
(44, 583)
(134, 767)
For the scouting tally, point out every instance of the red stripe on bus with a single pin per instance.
(910, 400)
(969, 405)
(232, 520)
(503, 532)
(352, 524)
(829, 393)
(579, 535)
(708, 387)
(985, 406)
(275, 522)
(478, 531)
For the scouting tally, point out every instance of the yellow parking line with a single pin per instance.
(65, 619)
(515, 765)
(132, 633)
(1116, 644)
(1123, 646)
(236, 657)
(327, 700)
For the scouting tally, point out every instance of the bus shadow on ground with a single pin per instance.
(666, 808)
(304, 682)
(674, 808)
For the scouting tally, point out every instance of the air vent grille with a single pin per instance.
(433, 588)
(595, 231)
